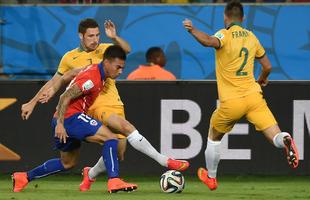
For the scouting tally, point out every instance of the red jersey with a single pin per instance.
(90, 81)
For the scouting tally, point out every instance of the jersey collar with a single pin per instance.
(234, 23)
(81, 48)
(100, 66)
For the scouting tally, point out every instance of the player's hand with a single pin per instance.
(27, 109)
(47, 95)
(110, 29)
(61, 133)
(188, 25)
(262, 81)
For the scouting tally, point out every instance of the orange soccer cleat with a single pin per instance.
(86, 183)
(179, 165)
(117, 184)
(203, 176)
(20, 181)
(291, 152)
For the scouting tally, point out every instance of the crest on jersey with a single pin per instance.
(93, 122)
(219, 35)
(88, 85)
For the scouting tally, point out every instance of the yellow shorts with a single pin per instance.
(104, 112)
(253, 107)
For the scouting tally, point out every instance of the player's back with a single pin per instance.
(235, 62)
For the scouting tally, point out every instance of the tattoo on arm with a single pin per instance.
(73, 92)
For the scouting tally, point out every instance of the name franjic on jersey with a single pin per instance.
(237, 34)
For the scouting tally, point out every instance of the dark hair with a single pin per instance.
(234, 10)
(152, 53)
(87, 23)
(114, 51)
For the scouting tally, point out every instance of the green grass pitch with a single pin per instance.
(230, 187)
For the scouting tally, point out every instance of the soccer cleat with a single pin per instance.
(20, 181)
(291, 152)
(86, 183)
(179, 165)
(203, 176)
(117, 184)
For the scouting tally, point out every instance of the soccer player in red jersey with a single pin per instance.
(71, 125)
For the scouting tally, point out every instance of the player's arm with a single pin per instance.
(110, 31)
(265, 70)
(28, 107)
(73, 92)
(64, 80)
(201, 37)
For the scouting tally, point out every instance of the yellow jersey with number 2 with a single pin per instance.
(235, 62)
(78, 58)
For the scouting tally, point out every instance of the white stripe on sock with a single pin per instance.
(112, 161)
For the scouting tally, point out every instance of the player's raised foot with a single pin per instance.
(203, 176)
(179, 165)
(117, 184)
(86, 183)
(291, 152)
(20, 181)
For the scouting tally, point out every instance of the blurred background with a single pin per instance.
(35, 34)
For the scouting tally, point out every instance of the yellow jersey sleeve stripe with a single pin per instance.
(59, 73)
(260, 56)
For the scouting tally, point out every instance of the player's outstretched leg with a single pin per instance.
(291, 151)
(203, 176)
(86, 183)
(141, 144)
(20, 181)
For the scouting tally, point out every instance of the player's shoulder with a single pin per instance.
(104, 45)
(72, 53)
(220, 34)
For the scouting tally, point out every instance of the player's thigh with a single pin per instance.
(111, 116)
(103, 134)
(227, 114)
(259, 113)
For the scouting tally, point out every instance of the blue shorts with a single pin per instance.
(78, 127)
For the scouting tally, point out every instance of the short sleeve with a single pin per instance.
(260, 51)
(85, 83)
(220, 35)
(63, 65)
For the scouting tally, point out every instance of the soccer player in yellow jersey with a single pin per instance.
(239, 94)
(108, 108)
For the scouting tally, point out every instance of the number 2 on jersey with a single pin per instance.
(246, 53)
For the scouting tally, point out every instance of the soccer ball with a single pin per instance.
(172, 181)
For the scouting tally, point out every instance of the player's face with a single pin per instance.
(113, 68)
(90, 39)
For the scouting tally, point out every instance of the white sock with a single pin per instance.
(212, 155)
(278, 139)
(97, 169)
(141, 144)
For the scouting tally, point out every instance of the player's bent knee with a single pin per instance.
(69, 159)
(127, 127)
(69, 163)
